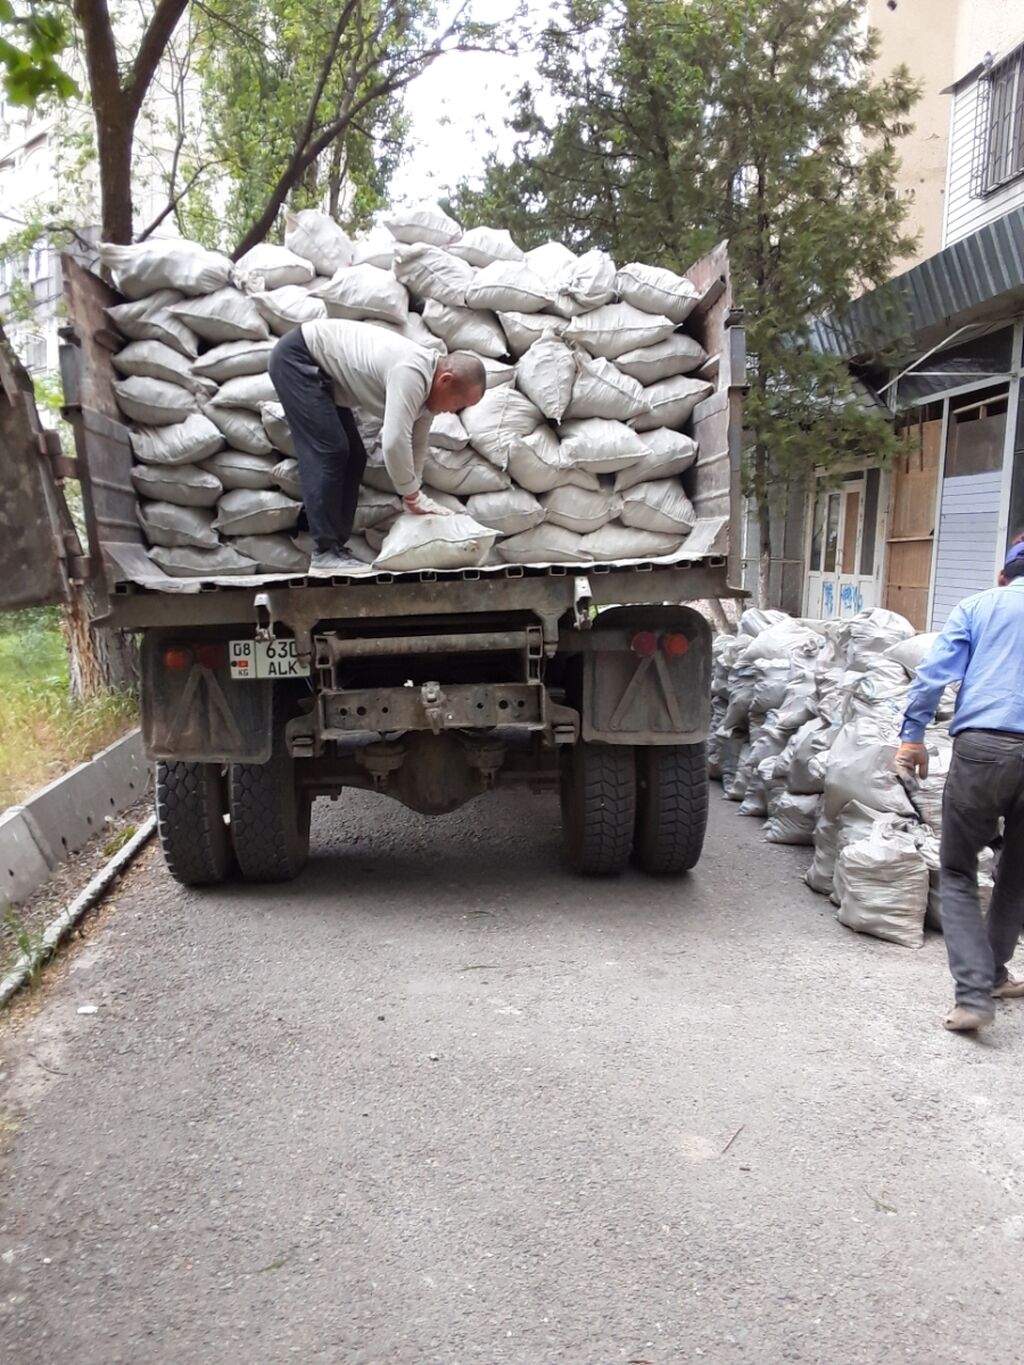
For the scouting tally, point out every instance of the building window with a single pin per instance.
(977, 431)
(1004, 143)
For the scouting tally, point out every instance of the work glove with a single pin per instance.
(912, 759)
(421, 506)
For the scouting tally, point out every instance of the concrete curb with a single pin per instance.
(57, 929)
(43, 832)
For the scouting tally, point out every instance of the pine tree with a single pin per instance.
(762, 121)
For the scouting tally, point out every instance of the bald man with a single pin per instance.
(321, 371)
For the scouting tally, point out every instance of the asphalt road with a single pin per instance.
(438, 1102)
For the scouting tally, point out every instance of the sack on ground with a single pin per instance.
(882, 884)
(793, 819)
(435, 542)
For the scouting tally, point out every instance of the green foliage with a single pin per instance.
(681, 122)
(30, 44)
(260, 65)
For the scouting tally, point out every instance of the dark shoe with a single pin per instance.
(960, 1019)
(328, 563)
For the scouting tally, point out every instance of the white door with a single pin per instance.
(845, 531)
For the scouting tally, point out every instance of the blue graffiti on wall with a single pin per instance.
(851, 600)
(828, 600)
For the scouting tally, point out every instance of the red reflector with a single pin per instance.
(674, 645)
(176, 660)
(212, 656)
(644, 643)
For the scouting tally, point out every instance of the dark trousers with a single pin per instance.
(985, 783)
(328, 446)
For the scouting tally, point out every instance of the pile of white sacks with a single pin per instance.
(575, 453)
(806, 721)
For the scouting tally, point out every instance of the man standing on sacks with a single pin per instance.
(321, 371)
(982, 648)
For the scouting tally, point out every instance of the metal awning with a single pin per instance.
(972, 281)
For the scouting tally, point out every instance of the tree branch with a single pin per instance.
(173, 203)
(152, 48)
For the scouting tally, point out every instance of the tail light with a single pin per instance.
(644, 643)
(212, 656)
(177, 659)
(675, 645)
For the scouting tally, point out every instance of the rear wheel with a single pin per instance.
(269, 816)
(672, 807)
(598, 790)
(191, 802)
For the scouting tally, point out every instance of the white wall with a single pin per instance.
(966, 214)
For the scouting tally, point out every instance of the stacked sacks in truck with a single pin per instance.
(578, 452)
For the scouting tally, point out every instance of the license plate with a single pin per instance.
(266, 659)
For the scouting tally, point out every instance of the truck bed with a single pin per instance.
(118, 548)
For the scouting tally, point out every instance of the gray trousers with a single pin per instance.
(985, 783)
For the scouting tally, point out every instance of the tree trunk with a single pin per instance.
(762, 502)
(98, 660)
(114, 139)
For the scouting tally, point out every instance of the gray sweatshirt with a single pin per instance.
(386, 376)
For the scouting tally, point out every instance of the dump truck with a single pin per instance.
(260, 694)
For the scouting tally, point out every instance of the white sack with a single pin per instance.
(251, 391)
(497, 371)
(163, 523)
(268, 267)
(434, 542)
(426, 222)
(589, 281)
(447, 432)
(809, 758)
(550, 260)
(288, 307)
(493, 424)
(546, 374)
(602, 390)
(672, 402)
(153, 402)
(242, 429)
(275, 424)
(364, 293)
(227, 315)
(151, 319)
(545, 544)
(523, 329)
(508, 286)
(318, 239)
(184, 485)
(256, 512)
(599, 445)
(882, 885)
(414, 329)
(677, 354)
(241, 469)
(184, 443)
(860, 768)
(614, 542)
(579, 509)
(869, 634)
(654, 289)
(433, 273)
(912, 653)
(510, 512)
(658, 506)
(273, 553)
(375, 507)
(286, 477)
(616, 328)
(233, 358)
(462, 472)
(376, 248)
(482, 245)
(189, 562)
(792, 820)
(926, 794)
(465, 329)
(669, 454)
(535, 463)
(155, 360)
(145, 267)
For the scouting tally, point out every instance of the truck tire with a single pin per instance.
(671, 807)
(598, 791)
(190, 806)
(269, 817)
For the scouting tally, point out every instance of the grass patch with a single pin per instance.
(43, 733)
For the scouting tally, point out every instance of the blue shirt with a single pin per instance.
(982, 647)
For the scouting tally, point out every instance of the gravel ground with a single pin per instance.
(21, 925)
(438, 1102)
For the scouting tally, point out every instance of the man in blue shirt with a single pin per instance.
(982, 648)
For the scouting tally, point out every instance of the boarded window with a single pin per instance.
(977, 432)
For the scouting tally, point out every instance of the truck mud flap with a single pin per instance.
(192, 709)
